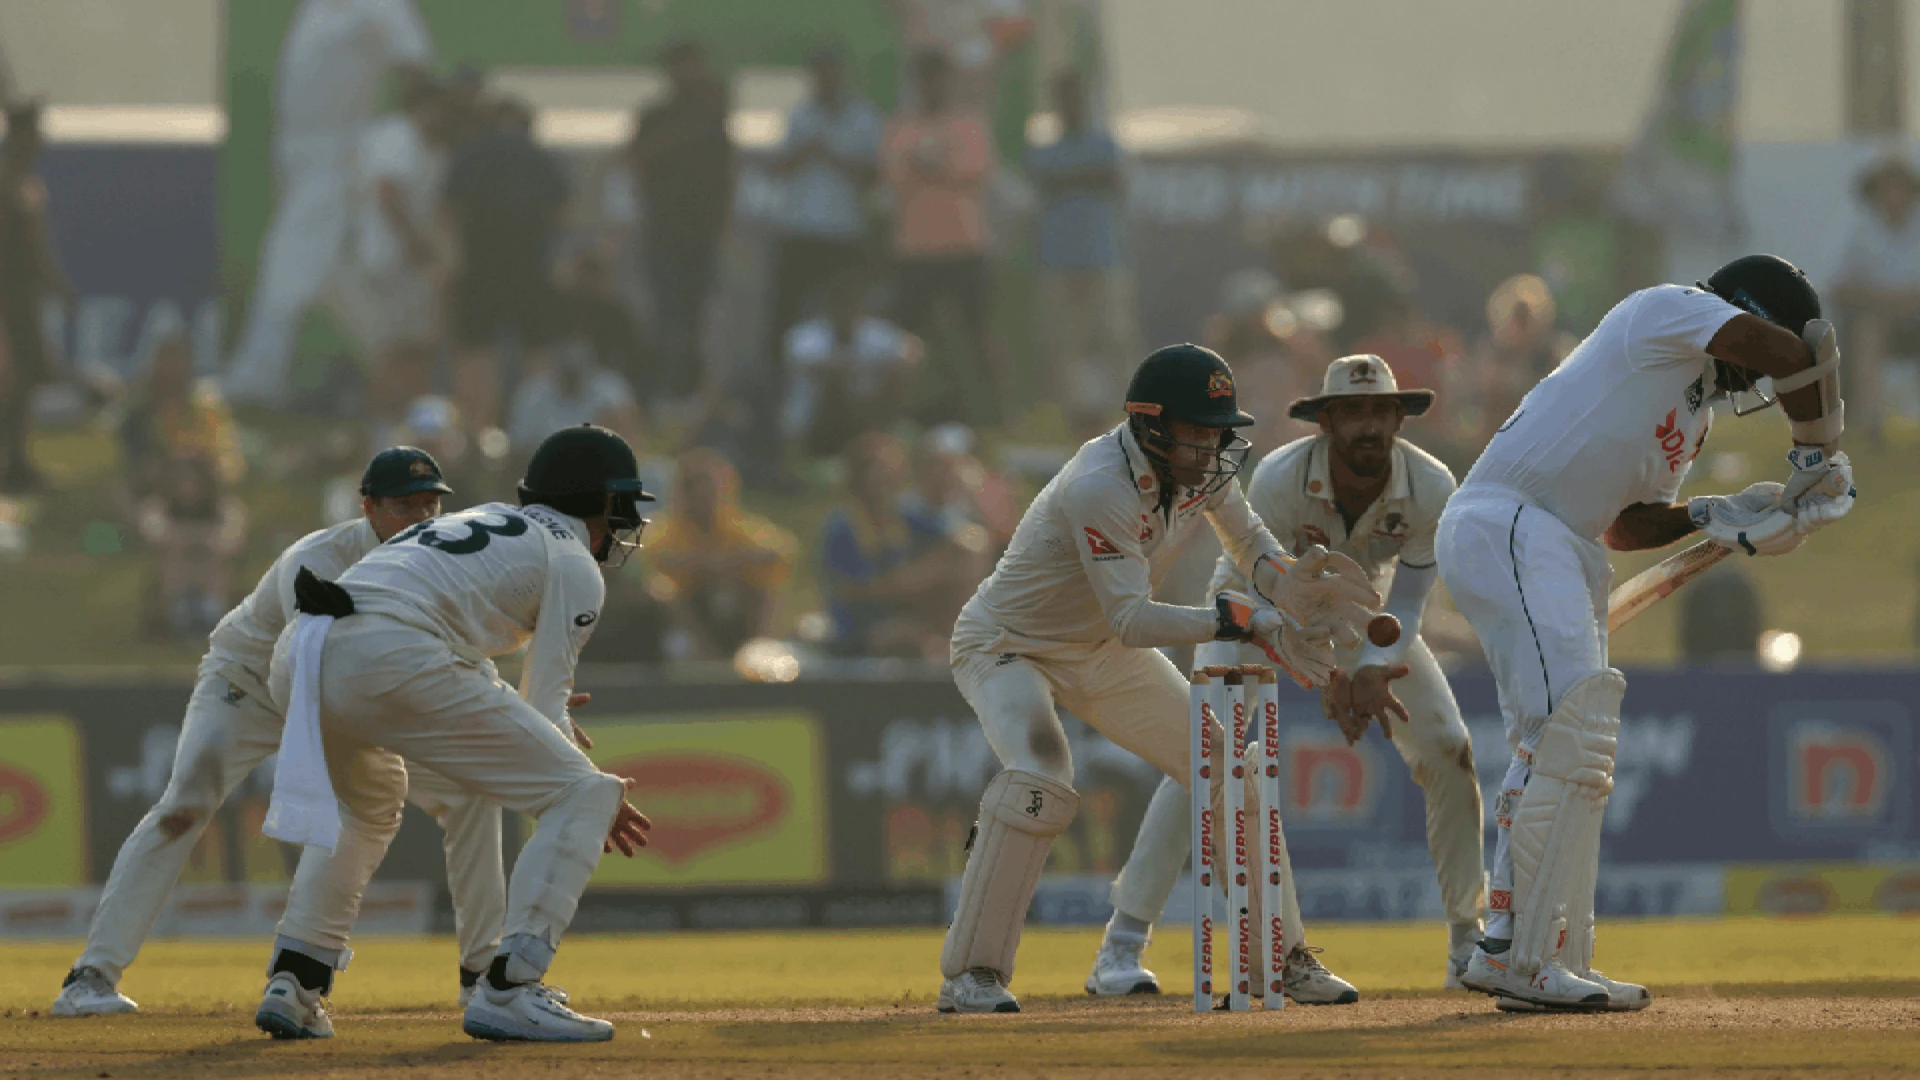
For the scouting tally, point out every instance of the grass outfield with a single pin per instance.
(1748, 996)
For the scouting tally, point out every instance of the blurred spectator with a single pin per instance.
(939, 161)
(1879, 285)
(1273, 353)
(332, 74)
(972, 35)
(183, 452)
(1408, 341)
(1520, 347)
(597, 313)
(719, 569)
(29, 276)
(951, 485)
(894, 578)
(505, 198)
(1088, 350)
(849, 371)
(574, 389)
(682, 161)
(1721, 619)
(829, 160)
(389, 294)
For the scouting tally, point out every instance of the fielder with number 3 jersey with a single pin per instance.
(1595, 456)
(1361, 490)
(1067, 617)
(392, 661)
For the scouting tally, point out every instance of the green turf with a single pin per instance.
(1754, 997)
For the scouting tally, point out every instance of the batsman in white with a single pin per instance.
(1594, 455)
(1358, 489)
(392, 661)
(332, 74)
(1067, 616)
(232, 725)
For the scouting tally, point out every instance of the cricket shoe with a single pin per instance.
(977, 990)
(291, 1011)
(529, 1012)
(1117, 968)
(466, 989)
(88, 992)
(1308, 982)
(1552, 986)
(1621, 997)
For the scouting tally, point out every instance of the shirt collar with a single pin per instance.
(1320, 478)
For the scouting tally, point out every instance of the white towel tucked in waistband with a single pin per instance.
(303, 810)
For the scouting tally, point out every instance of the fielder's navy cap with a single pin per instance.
(402, 470)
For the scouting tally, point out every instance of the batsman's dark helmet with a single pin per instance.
(1770, 287)
(588, 471)
(1192, 385)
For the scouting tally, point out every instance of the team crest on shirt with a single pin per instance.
(1219, 384)
(1392, 525)
(1102, 548)
(1696, 395)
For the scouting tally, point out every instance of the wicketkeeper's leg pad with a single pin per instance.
(1555, 839)
(1020, 814)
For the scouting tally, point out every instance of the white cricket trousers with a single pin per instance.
(390, 691)
(1433, 742)
(1536, 594)
(226, 733)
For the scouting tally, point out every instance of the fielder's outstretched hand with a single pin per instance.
(1355, 702)
(629, 831)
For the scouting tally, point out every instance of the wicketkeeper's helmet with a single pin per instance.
(1192, 385)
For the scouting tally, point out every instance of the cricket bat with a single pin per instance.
(1657, 582)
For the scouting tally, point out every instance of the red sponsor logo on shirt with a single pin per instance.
(1310, 535)
(1098, 543)
(1500, 900)
(1673, 441)
(1146, 528)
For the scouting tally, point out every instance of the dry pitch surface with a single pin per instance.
(1833, 997)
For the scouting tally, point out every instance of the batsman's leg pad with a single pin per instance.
(1020, 814)
(1555, 837)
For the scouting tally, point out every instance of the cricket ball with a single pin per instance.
(1383, 630)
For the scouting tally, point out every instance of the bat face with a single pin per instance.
(1657, 582)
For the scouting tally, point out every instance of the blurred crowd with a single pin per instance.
(848, 478)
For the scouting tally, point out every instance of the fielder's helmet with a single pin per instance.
(1191, 385)
(1770, 287)
(588, 471)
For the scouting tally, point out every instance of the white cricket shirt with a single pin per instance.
(1087, 554)
(1292, 491)
(491, 579)
(1622, 417)
(240, 649)
(334, 63)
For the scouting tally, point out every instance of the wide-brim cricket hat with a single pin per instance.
(1362, 375)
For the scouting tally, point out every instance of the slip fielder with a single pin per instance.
(1359, 489)
(1596, 454)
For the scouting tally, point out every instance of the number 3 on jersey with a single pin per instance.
(480, 533)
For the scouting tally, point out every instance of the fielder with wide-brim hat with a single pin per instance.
(1361, 375)
(1357, 488)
